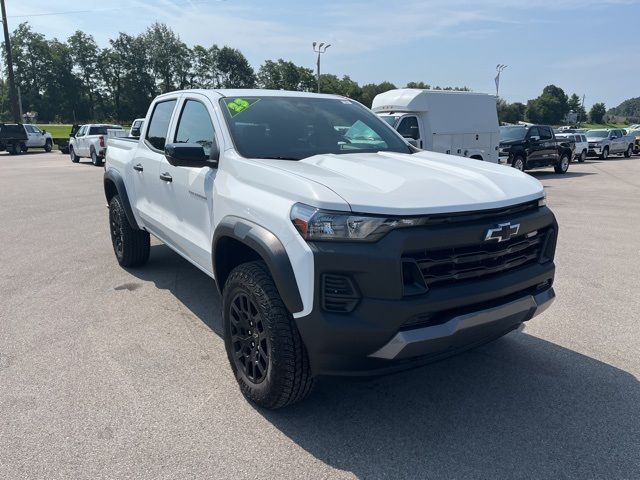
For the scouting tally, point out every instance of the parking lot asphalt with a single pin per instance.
(113, 373)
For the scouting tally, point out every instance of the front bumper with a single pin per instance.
(468, 329)
(595, 150)
(390, 329)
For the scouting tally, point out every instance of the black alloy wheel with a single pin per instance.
(249, 340)
(116, 233)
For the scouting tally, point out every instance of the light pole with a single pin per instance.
(12, 84)
(499, 69)
(321, 48)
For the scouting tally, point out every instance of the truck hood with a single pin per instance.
(414, 184)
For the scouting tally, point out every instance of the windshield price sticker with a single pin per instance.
(239, 105)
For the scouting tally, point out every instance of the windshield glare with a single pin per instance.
(512, 133)
(293, 128)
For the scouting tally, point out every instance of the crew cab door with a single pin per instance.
(409, 127)
(78, 140)
(186, 196)
(145, 168)
(535, 149)
(549, 147)
(617, 141)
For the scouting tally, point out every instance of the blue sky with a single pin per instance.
(585, 46)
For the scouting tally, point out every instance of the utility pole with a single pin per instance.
(321, 49)
(499, 69)
(12, 84)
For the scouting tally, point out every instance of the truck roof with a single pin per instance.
(419, 100)
(250, 92)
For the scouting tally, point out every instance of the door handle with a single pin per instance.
(166, 177)
(138, 167)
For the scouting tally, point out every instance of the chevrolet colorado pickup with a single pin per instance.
(533, 146)
(334, 253)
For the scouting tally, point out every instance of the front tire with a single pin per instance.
(519, 163)
(74, 158)
(264, 347)
(605, 153)
(48, 146)
(130, 246)
(628, 151)
(563, 166)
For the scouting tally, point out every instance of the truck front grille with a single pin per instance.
(450, 265)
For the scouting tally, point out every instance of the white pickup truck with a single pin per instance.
(90, 141)
(37, 138)
(334, 253)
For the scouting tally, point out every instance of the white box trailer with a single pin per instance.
(456, 123)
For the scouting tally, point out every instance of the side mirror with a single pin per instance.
(191, 155)
(44, 131)
(135, 132)
(412, 141)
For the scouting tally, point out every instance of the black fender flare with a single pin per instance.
(112, 176)
(269, 248)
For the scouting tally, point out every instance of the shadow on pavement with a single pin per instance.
(520, 407)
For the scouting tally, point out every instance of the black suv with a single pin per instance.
(534, 146)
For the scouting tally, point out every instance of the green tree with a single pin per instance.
(167, 61)
(233, 69)
(597, 112)
(549, 108)
(510, 112)
(420, 85)
(283, 75)
(84, 53)
(370, 90)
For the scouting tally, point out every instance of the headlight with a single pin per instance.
(316, 224)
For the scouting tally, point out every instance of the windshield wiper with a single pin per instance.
(279, 158)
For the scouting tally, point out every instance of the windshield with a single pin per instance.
(390, 119)
(512, 133)
(597, 134)
(293, 128)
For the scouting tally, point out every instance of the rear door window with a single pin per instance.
(545, 133)
(159, 124)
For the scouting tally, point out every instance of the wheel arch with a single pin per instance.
(114, 185)
(237, 241)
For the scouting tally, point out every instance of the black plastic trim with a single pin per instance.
(270, 249)
(112, 175)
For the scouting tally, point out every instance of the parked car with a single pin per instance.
(333, 254)
(606, 141)
(13, 138)
(581, 145)
(37, 138)
(534, 146)
(90, 142)
(136, 127)
(456, 123)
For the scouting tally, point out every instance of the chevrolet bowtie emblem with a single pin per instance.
(503, 232)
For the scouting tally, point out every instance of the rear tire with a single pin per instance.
(264, 347)
(95, 159)
(48, 146)
(563, 166)
(130, 246)
(16, 148)
(628, 151)
(72, 154)
(583, 156)
(605, 153)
